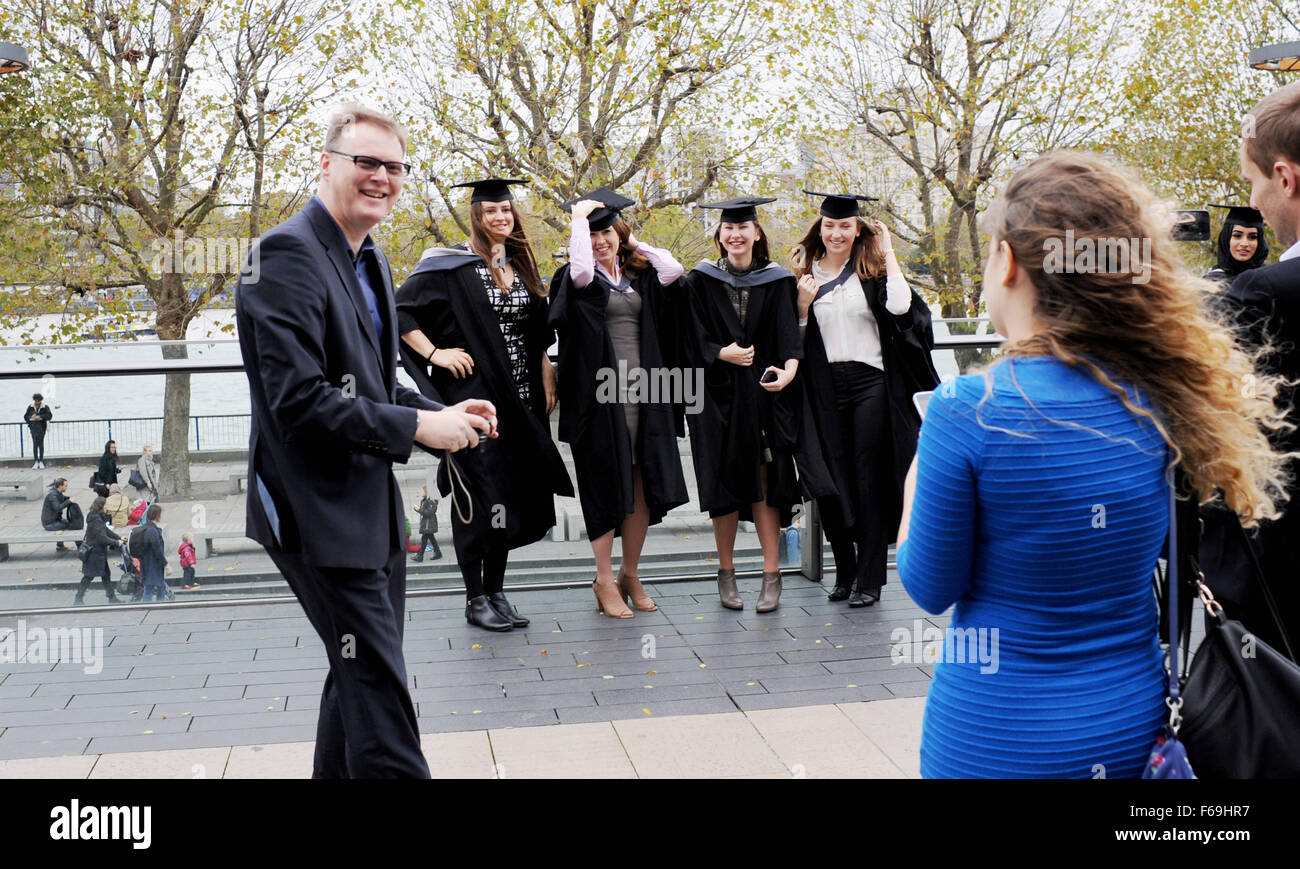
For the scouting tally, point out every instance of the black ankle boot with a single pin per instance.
(480, 612)
(840, 592)
(864, 596)
(505, 610)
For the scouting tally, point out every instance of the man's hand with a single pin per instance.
(449, 429)
(479, 407)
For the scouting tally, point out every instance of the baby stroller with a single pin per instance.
(129, 585)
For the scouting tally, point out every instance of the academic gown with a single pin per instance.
(906, 342)
(597, 428)
(726, 444)
(512, 479)
(1264, 303)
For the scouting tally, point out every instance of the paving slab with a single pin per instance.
(573, 751)
(175, 764)
(697, 746)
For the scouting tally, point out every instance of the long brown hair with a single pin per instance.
(517, 248)
(1213, 401)
(760, 252)
(867, 257)
(628, 259)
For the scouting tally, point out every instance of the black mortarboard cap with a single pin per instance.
(740, 210)
(838, 206)
(491, 189)
(1242, 215)
(602, 218)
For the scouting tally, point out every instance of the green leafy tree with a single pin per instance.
(658, 98)
(151, 126)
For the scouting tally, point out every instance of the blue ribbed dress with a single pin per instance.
(1044, 523)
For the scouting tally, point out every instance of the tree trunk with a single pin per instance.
(174, 479)
(172, 320)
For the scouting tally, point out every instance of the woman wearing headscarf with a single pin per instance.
(108, 469)
(1241, 245)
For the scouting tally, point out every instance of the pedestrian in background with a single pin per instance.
(99, 537)
(52, 511)
(428, 510)
(37, 418)
(118, 507)
(148, 471)
(108, 469)
(188, 560)
(148, 546)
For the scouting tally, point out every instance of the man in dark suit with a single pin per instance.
(317, 328)
(1266, 304)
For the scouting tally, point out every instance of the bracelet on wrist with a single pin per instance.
(430, 356)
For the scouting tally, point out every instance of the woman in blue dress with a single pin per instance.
(1037, 504)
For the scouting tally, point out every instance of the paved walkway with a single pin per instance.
(692, 690)
(879, 739)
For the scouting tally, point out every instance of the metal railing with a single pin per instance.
(86, 437)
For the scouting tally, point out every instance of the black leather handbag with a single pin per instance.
(1241, 697)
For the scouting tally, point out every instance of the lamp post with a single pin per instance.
(1284, 56)
(13, 58)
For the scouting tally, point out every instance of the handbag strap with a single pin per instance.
(1174, 701)
(1287, 648)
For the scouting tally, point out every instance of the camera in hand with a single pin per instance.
(1191, 224)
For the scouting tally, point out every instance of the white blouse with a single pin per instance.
(849, 329)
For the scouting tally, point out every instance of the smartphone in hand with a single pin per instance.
(768, 377)
(922, 401)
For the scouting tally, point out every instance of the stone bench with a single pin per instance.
(38, 536)
(31, 486)
(219, 532)
(238, 482)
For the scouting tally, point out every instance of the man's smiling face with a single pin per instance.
(358, 199)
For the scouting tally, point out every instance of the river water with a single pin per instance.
(120, 397)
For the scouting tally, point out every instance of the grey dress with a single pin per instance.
(623, 318)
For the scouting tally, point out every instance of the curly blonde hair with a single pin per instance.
(1214, 401)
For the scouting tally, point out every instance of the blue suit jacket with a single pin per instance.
(328, 418)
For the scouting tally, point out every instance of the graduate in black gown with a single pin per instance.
(473, 320)
(867, 343)
(743, 332)
(611, 306)
(1241, 245)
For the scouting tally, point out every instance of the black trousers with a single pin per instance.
(862, 411)
(428, 540)
(486, 575)
(97, 568)
(367, 726)
(38, 446)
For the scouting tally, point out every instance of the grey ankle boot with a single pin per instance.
(727, 590)
(770, 597)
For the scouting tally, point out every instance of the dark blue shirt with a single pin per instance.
(361, 261)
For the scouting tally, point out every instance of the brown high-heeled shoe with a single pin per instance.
(643, 603)
(606, 607)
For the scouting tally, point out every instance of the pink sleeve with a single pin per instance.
(666, 265)
(582, 264)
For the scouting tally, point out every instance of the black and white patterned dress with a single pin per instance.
(512, 315)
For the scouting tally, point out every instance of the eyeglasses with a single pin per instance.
(372, 164)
